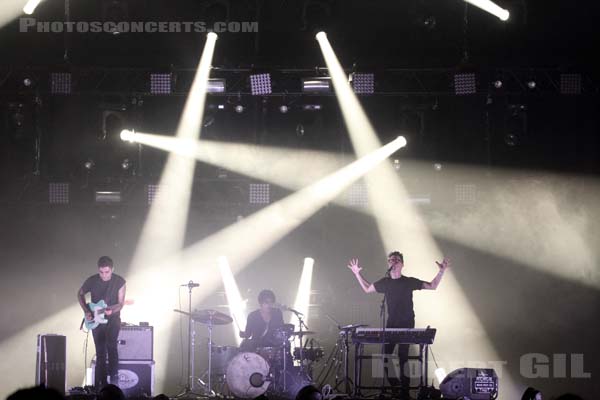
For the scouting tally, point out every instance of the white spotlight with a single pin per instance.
(440, 374)
(127, 135)
(30, 6)
(401, 141)
(239, 109)
(237, 306)
(302, 302)
(491, 7)
(283, 109)
(212, 35)
(321, 35)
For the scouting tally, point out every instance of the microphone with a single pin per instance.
(191, 284)
(286, 308)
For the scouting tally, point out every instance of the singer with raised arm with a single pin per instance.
(262, 323)
(102, 315)
(398, 290)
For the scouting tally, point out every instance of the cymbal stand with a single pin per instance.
(210, 326)
(189, 389)
(346, 351)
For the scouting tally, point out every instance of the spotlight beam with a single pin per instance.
(247, 239)
(30, 6)
(491, 7)
(164, 230)
(399, 223)
(302, 302)
(9, 10)
(270, 164)
(237, 306)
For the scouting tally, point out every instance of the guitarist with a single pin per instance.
(109, 287)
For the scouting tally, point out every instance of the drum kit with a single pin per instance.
(246, 374)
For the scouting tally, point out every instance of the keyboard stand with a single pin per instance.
(422, 357)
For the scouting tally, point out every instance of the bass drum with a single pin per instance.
(247, 375)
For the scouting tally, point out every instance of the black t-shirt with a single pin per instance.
(261, 333)
(398, 295)
(107, 291)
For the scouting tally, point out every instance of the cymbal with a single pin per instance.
(298, 333)
(213, 317)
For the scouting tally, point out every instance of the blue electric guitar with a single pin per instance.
(98, 314)
(98, 309)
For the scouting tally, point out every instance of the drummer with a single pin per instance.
(262, 323)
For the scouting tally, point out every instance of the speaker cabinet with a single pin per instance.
(51, 362)
(136, 378)
(135, 343)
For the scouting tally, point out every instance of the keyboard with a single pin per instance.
(394, 335)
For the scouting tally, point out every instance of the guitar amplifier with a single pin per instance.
(136, 378)
(136, 343)
(51, 362)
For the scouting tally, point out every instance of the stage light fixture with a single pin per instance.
(215, 85)
(363, 83)
(492, 8)
(531, 84)
(151, 193)
(397, 164)
(440, 374)
(465, 193)
(570, 83)
(465, 83)
(126, 164)
(107, 196)
(357, 195)
(30, 6)
(259, 193)
(283, 109)
(311, 107)
(89, 164)
(437, 166)
(127, 135)
(239, 109)
(60, 83)
(260, 84)
(160, 83)
(316, 85)
(27, 82)
(58, 193)
(498, 84)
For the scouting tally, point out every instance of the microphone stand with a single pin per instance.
(383, 355)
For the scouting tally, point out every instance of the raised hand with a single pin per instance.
(353, 265)
(444, 264)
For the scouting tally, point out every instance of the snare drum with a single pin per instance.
(247, 375)
(274, 355)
